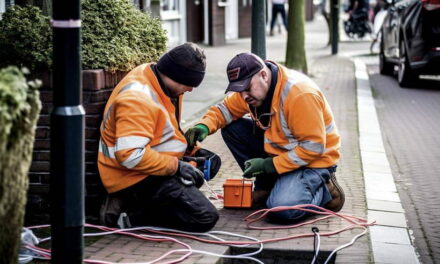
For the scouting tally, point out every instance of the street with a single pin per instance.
(409, 120)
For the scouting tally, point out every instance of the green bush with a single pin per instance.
(19, 109)
(25, 38)
(115, 37)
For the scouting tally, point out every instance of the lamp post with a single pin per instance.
(259, 28)
(334, 13)
(67, 136)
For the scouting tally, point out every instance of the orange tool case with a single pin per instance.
(237, 193)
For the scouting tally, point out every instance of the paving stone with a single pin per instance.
(387, 218)
(388, 206)
(394, 253)
(393, 235)
(382, 195)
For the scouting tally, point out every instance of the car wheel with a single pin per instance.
(405, 75)
(385, 67)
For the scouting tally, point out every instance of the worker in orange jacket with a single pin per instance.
(142, 150)
(289, 141)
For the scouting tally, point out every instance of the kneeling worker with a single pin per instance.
(290, 143)
(141, 153)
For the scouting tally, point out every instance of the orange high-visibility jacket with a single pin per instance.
(140, 135)
(302, 131)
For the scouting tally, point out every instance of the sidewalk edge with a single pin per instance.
(390, 237)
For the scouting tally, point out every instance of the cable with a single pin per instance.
(189, 250)
(316, 244)
(213, 237)
(345, 245)
(216, 195)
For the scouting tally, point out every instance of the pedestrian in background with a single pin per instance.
(290, 143)
(143, 152)
(278, 7)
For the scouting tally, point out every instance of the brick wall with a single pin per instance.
(97, 87)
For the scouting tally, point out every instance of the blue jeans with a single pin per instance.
(301, 186)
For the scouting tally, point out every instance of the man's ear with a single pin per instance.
(264, 75)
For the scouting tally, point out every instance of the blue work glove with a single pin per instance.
(189, 175)
(257, 166)
(197, 133)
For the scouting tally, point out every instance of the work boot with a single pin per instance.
(110, 210)
(338, 196)
(259, 199)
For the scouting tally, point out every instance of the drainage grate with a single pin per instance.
(278, 256)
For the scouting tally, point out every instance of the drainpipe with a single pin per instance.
(67, 136)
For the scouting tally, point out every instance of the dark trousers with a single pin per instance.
(246, 141)
(164, 201)
(278, 8)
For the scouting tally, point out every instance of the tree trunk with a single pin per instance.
(296, 53)
(17, 134)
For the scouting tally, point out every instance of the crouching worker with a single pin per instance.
(141, 153)
(290, 143)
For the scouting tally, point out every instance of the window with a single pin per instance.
(246, 3)
(169, 5)
(2, 7)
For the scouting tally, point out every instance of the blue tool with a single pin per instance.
(207, 169)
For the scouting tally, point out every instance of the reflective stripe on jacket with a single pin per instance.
(140, 135)
(302, 130)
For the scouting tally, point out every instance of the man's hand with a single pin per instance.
(197, 133)
(189, 175)
(257, 166)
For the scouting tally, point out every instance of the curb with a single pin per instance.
(390, 237)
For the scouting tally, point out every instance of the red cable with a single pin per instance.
(303, 207)
(356, 222)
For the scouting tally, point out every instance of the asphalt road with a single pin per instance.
(410, 124)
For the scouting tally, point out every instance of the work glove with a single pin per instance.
(257, 166)
(197, 133)
(189, 175)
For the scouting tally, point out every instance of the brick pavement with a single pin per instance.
(337, 82)
(413, 114)
(335, 76)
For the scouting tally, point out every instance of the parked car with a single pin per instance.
(411, 40)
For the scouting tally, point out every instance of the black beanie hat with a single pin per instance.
(184, 64)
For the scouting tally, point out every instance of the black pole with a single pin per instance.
(334, 13)
(259, 28)
(67, 136)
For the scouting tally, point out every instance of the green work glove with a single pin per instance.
(257, 166)
(197, 133)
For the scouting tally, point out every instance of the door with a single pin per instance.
(194, 20)
(245, 18)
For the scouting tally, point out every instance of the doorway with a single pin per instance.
(195, 20)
